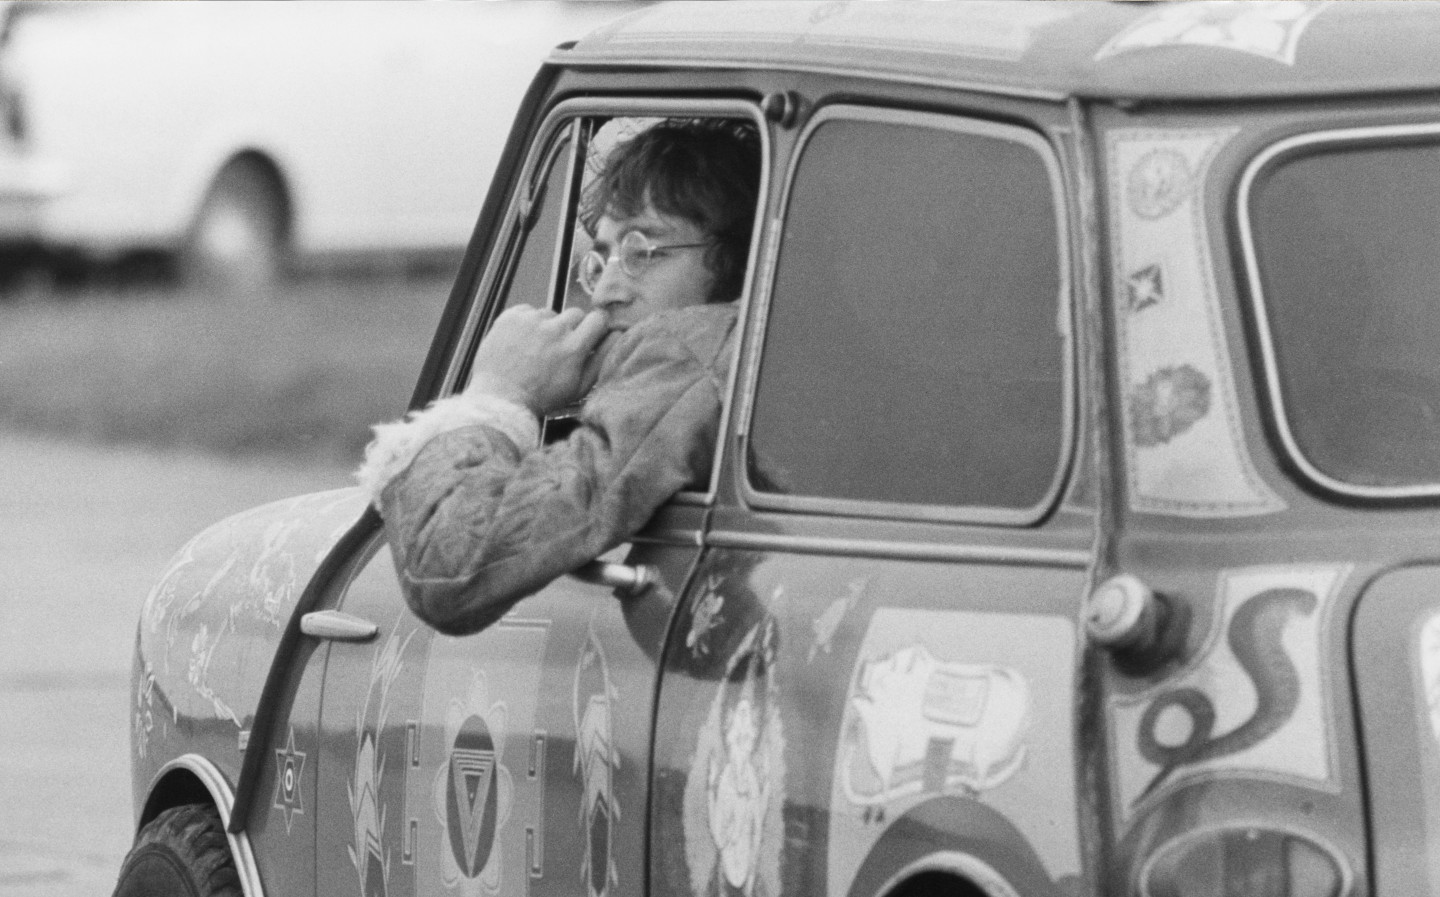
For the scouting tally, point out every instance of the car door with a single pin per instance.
(875, 672)
(515, 760)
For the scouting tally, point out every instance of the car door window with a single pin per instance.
(531, 275)
(916, 353)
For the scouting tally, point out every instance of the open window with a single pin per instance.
(551, 225)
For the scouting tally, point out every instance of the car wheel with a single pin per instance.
(238, 241)
(180, 853)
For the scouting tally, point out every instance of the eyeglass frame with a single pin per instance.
(647, 249)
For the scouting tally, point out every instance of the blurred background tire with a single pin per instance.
(239, 240)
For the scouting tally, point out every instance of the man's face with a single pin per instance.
(674, 278)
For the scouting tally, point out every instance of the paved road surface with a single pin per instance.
(83, 533)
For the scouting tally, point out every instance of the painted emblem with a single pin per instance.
(1146, 287)
(596, 761)
(1430, 670)
(289, 768)
(1158, 183)
(1267, 28)
(1252, 702)
(733, 828)
(923, 725)
(368, 852)
(473, 790)
(973, 711)
(706, 617)
(1174, 359)
(828, 623)
(1177, 729)
(1167, 404)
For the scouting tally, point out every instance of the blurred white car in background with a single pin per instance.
(237, 137)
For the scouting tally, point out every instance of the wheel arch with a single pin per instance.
(190, 779)
(953, 873)
(952, 844)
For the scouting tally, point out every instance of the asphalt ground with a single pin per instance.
(84, 532)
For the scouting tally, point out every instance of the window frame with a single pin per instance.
(1259, 165)
(955, 122)
(487, 302)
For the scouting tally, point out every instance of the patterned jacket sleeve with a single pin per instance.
(478, 519)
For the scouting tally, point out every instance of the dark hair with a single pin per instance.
(706, 171)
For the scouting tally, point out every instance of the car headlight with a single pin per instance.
(1243, 862)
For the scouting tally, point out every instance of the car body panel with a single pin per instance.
(210, 626)
(1164, 51)
(451, 758)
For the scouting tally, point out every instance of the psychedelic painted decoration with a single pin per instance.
(708, 614)
(1185, 446)
(1168, 403)
(733, 796)
(1158, 183)
(1270, 29)
(369, 853)
(986, 30)
(925, 725)
(231, 587)
(958, 706)
(828, 623)
(289, 773)
(597, 759)
(473, 790)
(1146, 287)
(1253, 703)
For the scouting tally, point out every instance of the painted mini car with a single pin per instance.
(1072, 529)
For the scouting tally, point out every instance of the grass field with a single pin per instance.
(301, 373)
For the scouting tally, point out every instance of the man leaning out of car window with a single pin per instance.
(478, 513)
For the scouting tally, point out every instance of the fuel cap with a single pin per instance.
(1123, 614)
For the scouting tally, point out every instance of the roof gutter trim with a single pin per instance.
(573, 59)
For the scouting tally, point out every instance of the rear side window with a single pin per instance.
(1344, 243)
(917, 348)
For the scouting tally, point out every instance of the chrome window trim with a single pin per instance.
(1064, 558)
(979, 873)
(1270, 156)
(538, 155)
(1065, 319)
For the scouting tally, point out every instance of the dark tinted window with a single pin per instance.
(914, 350)
(1348, 244)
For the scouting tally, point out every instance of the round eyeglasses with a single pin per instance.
(637, 256)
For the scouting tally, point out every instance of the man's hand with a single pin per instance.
(538, 358)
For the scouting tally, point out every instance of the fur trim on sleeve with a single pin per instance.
(396, 444)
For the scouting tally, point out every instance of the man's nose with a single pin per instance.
(611, 288)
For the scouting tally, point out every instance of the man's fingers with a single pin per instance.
(570, 317)
(588, 332)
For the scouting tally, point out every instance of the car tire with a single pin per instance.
(182, 852)
(238, 241)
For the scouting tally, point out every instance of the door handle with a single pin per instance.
(628, 580)
(338, 626)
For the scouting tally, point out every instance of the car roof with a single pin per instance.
(1195, 50)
